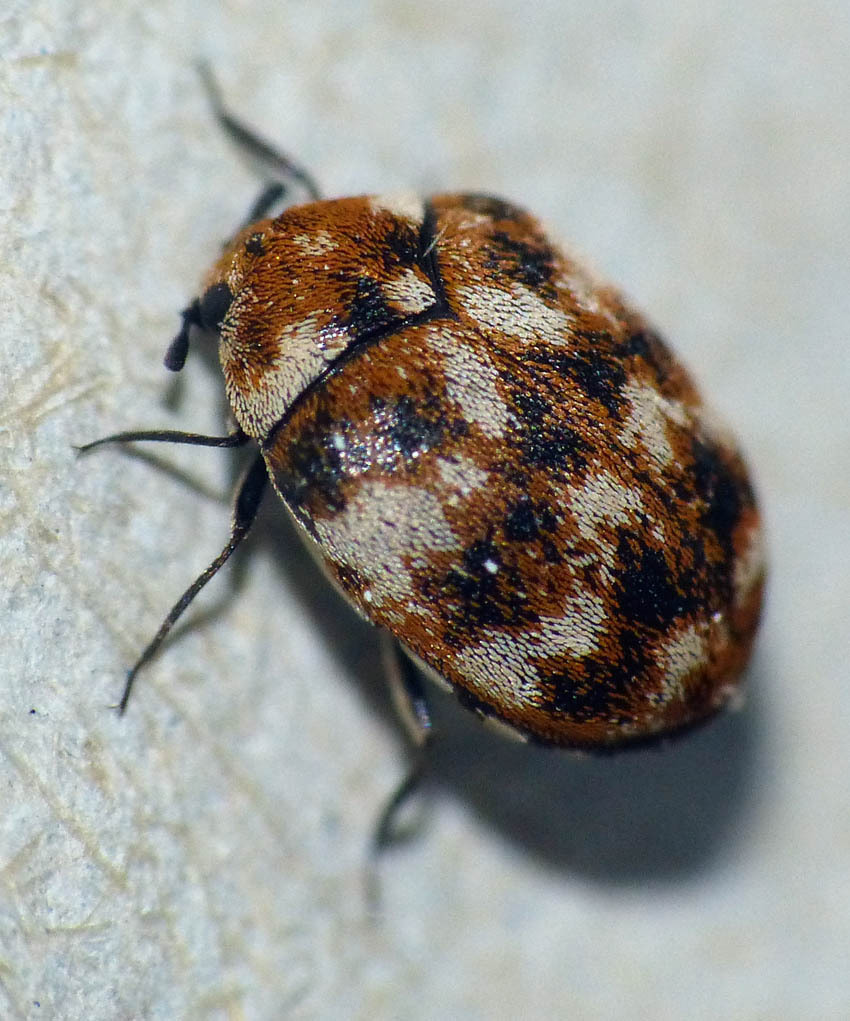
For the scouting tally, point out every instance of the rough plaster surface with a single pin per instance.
(203, 856)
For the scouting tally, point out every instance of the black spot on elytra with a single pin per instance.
(412, 428)
(481, 552)
(581, 699)
(368, 312)
(480, 596)
(554, 448)
(543, 443)
(638, 345)
(532, 408)
(598, 375)
(214, 305)
(548, 520)
(722, 494)
(254, 245)
(551, 553)
(521, 522)
(399, 246)
(526, 520)
(311, 477)
(530, 265)
(598, 689)
(496, 209)
(349, 578)
(647, 592)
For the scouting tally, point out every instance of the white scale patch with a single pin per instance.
(407, 205)
(603, 500)
(714, 426)
(464, 220)
(677, 658)
(517, 312)
(407, 292)
(496, 670)
(304, 351)
(646, 424)
(316, 245)
(505, 663)
(749, 566)
(471, 382)
(461, 477)
(576, 631)
(589, 291)
(381, 530)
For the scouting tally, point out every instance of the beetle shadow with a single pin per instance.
(662, 813)
(659, 813)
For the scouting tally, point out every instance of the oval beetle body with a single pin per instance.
(497, 460)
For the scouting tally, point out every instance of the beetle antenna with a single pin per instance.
(234, 439)
(411, 704)
(178, 349)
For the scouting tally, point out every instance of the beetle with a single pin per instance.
(497, 459)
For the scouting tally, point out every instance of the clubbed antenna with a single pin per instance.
(178, 349)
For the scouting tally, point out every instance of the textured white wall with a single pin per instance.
(202, 857)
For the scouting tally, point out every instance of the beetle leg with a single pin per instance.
(251, 143)
(409, 699)
(245, 509)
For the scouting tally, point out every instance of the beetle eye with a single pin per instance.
(213, 306)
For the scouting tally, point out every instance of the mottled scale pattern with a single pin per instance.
(499, 461)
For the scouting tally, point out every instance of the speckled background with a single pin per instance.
(203, 856)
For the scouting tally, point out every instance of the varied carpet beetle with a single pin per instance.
(497, 459)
